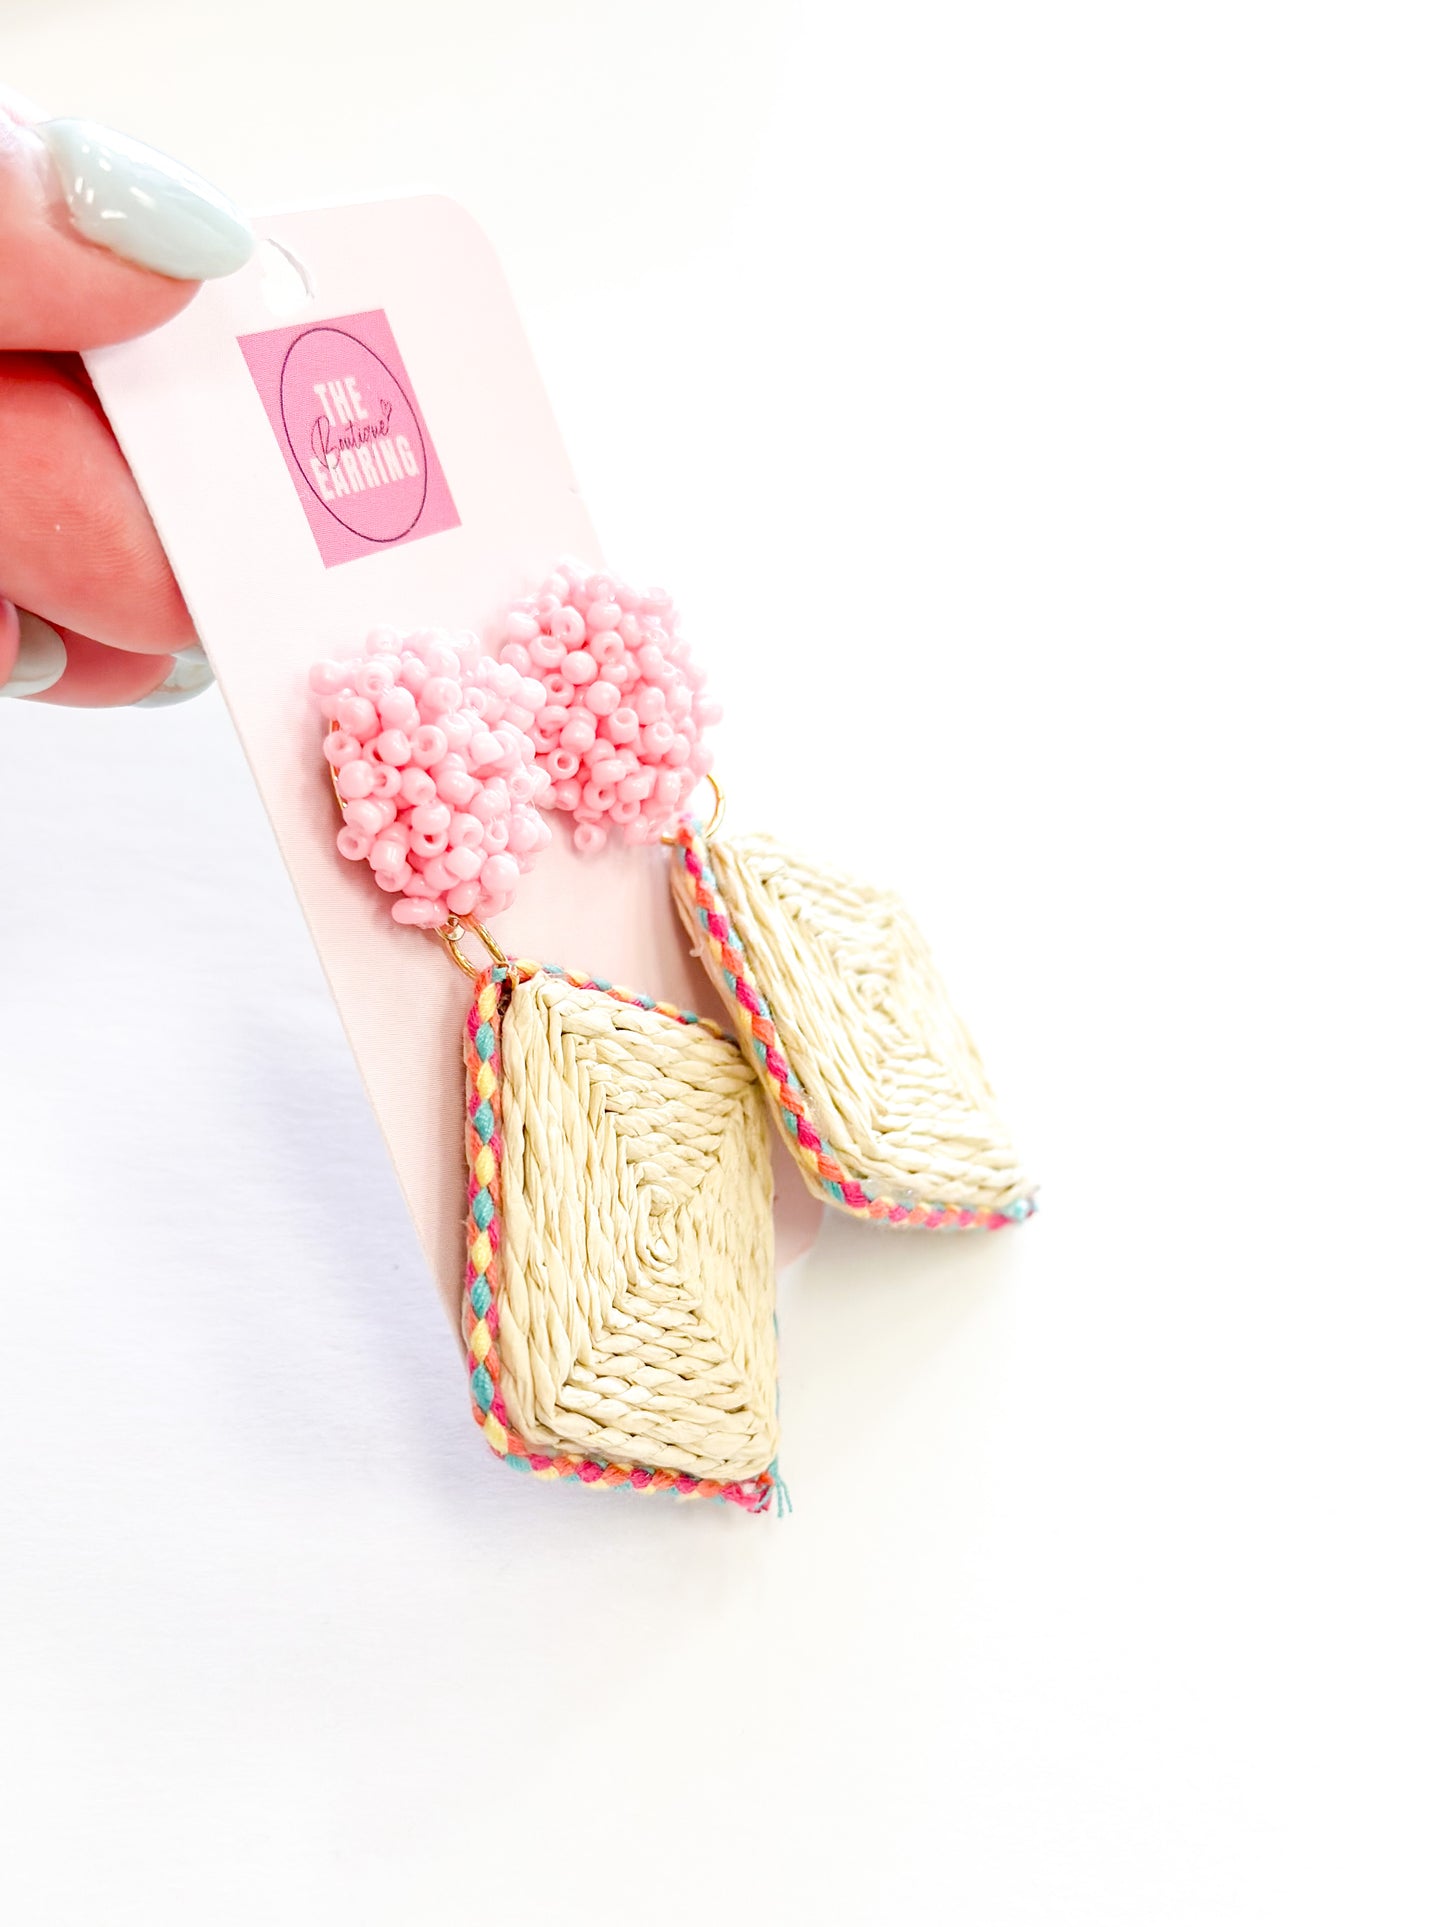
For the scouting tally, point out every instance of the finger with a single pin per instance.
(9, 640)
(42, 664)
(101, 238)
(95, 677)
(77, 545)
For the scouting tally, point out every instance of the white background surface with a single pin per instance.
(1037, 411)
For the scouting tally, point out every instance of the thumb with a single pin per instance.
(101, 238)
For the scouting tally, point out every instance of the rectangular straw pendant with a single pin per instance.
(873, 1078)
(619, 1304)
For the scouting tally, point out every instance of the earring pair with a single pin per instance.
(619, 1299)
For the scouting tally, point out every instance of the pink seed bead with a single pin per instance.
(650, 702)
(622, 725)
(463, 863)
(425, 912)
(373, 679)
(516, 655)
(600, 797)
(637, 785)
(353, 779)
(340, 747)
(608, 770)
(394, 746)
(385, 781)
(486, 750)
(651, 661)
(416, 786)
(457, 728)
(357, 717)
(562, 763)
(440, 695)
(428, 745)
(397, 709)
(589, 838)
(429, 819)
(578, 667)
(566, 796)
(465, 832)
(454, 786)
(626, 810)
(567, 625)
(531, 694)
(657, 737)
(603, 615)
(329, 678)
(494, 836)
(520, 627)
(608, 647)
(547, 652)
(602, 698)
(580, 732)
(437, 877)
(678, 752)
(437, 653)
(463, 898)
(368, 816)
(352, 842)
(553, 716)
(500, 875)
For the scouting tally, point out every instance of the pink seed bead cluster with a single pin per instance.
(619, 729)
(432, 755)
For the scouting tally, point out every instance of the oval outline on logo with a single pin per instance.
(303, 467)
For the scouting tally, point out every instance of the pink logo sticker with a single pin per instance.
(349, 429)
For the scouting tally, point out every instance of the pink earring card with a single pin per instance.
(351, 432)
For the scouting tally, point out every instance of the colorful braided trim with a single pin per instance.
(480, 1313)
(750, 1007)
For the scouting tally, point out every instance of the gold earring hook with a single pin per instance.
(719, 810)
(451, 934)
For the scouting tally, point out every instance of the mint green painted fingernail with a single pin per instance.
(39, 661)
(191, 675)
(143, 205)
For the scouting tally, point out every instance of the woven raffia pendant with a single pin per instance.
(619, 1308)
(869, 1071)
